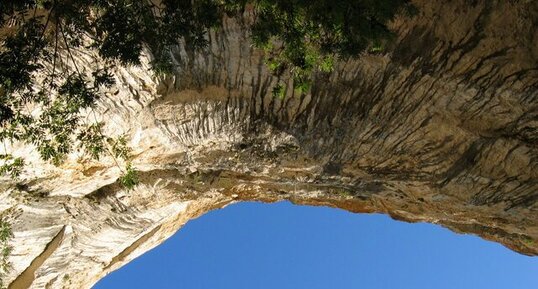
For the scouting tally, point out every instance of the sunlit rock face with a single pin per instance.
(440, 128)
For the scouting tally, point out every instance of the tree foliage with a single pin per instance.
(303, 36)
(39, 37)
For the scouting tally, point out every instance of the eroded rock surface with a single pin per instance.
(440, 128)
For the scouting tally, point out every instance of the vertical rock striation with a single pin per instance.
(441, 128)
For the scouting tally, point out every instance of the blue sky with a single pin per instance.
(257, 246)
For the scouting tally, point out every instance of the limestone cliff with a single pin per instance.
(441, 128)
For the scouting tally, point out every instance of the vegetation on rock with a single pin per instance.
(39, 38)
(5, 249)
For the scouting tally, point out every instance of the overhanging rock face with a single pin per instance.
(442, 128)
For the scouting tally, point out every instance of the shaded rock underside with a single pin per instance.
(440, 128)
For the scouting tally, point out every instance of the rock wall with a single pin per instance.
(440, 128)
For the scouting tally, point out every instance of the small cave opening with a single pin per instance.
(281, 245)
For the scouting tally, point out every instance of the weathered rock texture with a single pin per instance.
(442, 128)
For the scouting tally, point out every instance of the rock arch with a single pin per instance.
(441, 128)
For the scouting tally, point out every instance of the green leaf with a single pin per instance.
(130, 178)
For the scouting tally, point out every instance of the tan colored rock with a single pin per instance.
(442, 128)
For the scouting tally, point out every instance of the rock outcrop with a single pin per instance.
(441, 128)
